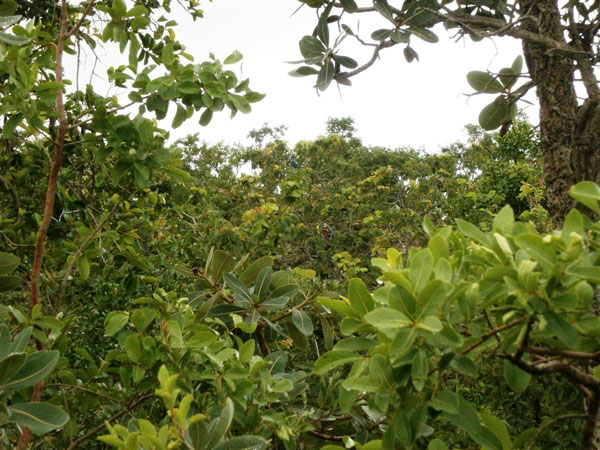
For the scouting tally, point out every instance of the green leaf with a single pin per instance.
(11, 124)
(243, 443)
(167, 54)
(11, 39)
(83, 266)
(471, 231)
(346, 61)
(381, 35)
(303, 71)
(437, 444)
(7, 21)
(421, 267)
(517, 65)
(562, 329)
(387, 318)
(302, 321)
(492, 116)
(331, 360)
(446, 401)
(37, 367)
(573, 224)
(384, 9)
(338, 306)
(40, 417)
(588, 273)
(360, 298)
(517, 379)
(133, 348)
(233, 58)
(523, 440)
(484, 82)
(222, 424)
(9, 283)
(430, 323)
(587, 193)
(263, 282)
(180, 116)
(311, 47)
(253, 269)
(535, 247)
(10, 365)
(464, 364)
(419, 370)
(206, 117)
(425, 34)
(221, 262)
(8, 263)
(240, 292)
(325, 76)
(240, 103)
(497, 427)
(114, 322)
(504, 221)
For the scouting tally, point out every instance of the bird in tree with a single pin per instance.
(326, 231)
(294, 164)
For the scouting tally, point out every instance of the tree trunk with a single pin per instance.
(552, 73)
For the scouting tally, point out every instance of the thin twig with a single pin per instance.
(547, 424)
(114, 417)
(82, 247)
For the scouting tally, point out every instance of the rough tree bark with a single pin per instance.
(570, 133)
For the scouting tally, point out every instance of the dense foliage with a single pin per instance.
(322, 295)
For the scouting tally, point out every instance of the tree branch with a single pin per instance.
(547, 424)
(82, 247)
(84, 14)
(95, 430)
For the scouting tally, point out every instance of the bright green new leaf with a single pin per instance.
(360, 298)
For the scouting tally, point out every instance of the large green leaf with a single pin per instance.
(421, 267)
(11, 39)
(587, 193)
(334, 359)
(263, 282)
(387, 318)
(534, 245)
(311, 47)
(220, 426)
(492, 116)
(8, 263)
(40, 417)
(484, 82)
(360, 298)
(302, 321)
(37, 367)
(243, 443)
(10, 365)
(9, 283)
(7, 21)
(220, 263)
(253, 269)
(517, 379)
(562, 329)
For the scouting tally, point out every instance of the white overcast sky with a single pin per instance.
(394, 104)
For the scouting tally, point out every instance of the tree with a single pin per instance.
(40, 109)
(559, 42)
